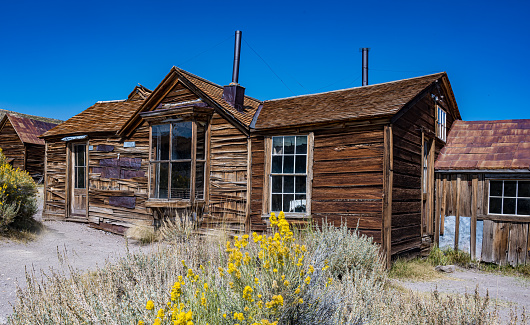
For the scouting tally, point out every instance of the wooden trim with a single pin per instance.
(388, 167)
(474, 207)
(249, 185)
(503, 218)
(309, 178)
(457, 209)
(265, 208)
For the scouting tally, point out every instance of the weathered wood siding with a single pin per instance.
(35, 160)
(11, 145)
(55, 180)
(228, 175)
(258, 174)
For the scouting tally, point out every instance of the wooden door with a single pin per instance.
(78, 180)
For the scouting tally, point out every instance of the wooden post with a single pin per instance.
(444, 205)
(388, 166)
(457, 209)
(474, 206)
(437, 209)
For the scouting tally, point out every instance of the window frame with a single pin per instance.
(192, 160)
(502, 197)
(441, 123)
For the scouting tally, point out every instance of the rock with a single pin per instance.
(445, 268)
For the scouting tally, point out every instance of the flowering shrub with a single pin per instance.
(17, 195)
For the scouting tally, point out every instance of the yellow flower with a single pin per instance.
(141, 322)
(150, 305)
(286, 283)
(307, 280)
(300, 301)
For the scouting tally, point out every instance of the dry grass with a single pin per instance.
(415, 270)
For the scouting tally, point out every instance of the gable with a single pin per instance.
(7, 131)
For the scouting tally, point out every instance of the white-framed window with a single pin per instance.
(441, 123)
(509, 197)
(288, 177)
(173, 162)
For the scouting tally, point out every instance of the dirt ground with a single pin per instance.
(507, 291)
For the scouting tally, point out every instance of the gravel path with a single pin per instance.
(508, 291)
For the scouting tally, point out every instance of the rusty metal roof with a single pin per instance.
(486, 145)
(28, 129)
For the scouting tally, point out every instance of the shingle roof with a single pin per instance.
(486, 145)
(33, 117)
(215, 92)
(354, 103)
(29, 129)
(100, 117)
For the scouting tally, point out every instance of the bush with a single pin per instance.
(17, 196)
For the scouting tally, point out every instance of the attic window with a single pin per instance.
(177, 154)
(509, 197)
(441, 124)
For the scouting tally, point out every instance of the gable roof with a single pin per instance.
(139, 93)
(486, 145)
(27, 129)
(376, 100)
(3, 112)
(207, 91)
(100, 117)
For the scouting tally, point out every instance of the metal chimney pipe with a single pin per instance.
(365, 65)
(237, 54)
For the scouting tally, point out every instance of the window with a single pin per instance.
(509, 197)
(175, 158)
(441, 123)
(289, 174)
(79, 165)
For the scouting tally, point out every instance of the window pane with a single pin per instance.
(276, 202)
(277, 184)
(180, 180)
(495, 205)
(510, 188)
(199, 181)
(496, 188)
(508, 206)
(201, 140)
(276, 164)
(288, 145)
(288, 164)
(160, 142)
(301, 145)
(300, 203)
(288, 184)
(524, 189)
(79, 177)
(182, 140)
(277, 145)
(300, 184)
(79, 151)
(288, 203)
(300, 164)
(160, 180)
(523, 207)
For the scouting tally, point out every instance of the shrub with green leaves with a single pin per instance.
(17, 196)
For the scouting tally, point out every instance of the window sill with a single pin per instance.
(161, 203)
(505, 217)
(291, 215)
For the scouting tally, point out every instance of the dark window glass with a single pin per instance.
(300, 165)
(510, 188)
(288, 145)
(495, 205)
(160, 142)
(524, 189)
(276, 164)
(508, 206)
(181, 141)
(276, 202)
(201, 140)
(288, 184)
(288, 164)
(288, 203)
(523, 207)
(79, 166)
(300, 184)
(300, 203)
(180, 180)
(199, 181)
(301, 145)
(495, 188)
(80, 177)
(80, 151)
(277, 184)
(277, 145)
(161, 172)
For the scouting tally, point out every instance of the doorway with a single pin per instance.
(78, 180)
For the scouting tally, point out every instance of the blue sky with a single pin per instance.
(58, 58)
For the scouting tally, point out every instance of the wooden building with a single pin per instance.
(20, 143)
(484, 173)
(364, 156)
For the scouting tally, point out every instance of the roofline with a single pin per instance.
(499, 171)
(384, 118)
(494, 121)
(32, 117)
(347, 89)
(111, 101)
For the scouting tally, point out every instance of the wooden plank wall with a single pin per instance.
(11, 145)
(228, 176)
(506, 243)
(119, 200)
(256, 195)
(55, 180)
(35, 159)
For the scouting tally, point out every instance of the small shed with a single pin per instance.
(483, 173)
(20, 143)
